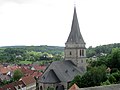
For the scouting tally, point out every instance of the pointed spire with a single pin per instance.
(75, 36)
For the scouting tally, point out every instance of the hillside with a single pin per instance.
(42, 48)
(103, 49)
(16, 54)
(44, 52)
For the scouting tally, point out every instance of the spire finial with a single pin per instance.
(74, 3)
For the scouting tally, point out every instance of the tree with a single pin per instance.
(117, 76)
(114, 59)
(93, 77)
(100, 61)
(76, 80)
(17, 75)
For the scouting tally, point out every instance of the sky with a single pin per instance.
(48, 22)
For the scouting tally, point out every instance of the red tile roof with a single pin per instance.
(1, 89)
(28, 80)
(4, 70)
(36, 74)
(12, 86)
(74, 87)
(26, 72)
(37, 67)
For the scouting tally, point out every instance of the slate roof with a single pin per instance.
(75, 36)
(51, 77)
(60, 71)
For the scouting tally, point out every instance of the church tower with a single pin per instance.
(75, 46)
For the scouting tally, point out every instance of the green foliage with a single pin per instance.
(117, 76)
(17, 75)
(107, 82)
(100, 61)
(50, 88)
(101, 50)
(94, 77)
(25, 62)
(112, 79)
(16, 54)
(114, 59)
(4, 82)
(76, 80)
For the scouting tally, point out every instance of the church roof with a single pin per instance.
(63, 71)
(75, 36)
(50, 77)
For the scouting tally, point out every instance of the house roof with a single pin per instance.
(1, 89)
(36, 74)
(75, 36)
(74, 87)
(13, 86)
(26, 71)
(28, 80)
(37, 67)
(4, 70)
(4, 77)
(65, 71)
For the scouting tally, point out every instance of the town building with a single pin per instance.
(59, 74)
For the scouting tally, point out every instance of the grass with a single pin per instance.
(25, 62)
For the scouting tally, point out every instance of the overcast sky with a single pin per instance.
(48, 22)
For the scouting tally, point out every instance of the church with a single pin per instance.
(59, 74)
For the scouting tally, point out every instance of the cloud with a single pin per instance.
(15, 1)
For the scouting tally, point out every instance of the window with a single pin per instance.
(81, 52)
(70, 53)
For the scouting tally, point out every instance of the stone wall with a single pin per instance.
(107, 87)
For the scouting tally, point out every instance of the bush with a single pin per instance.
(106, 83)
(112, 79)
